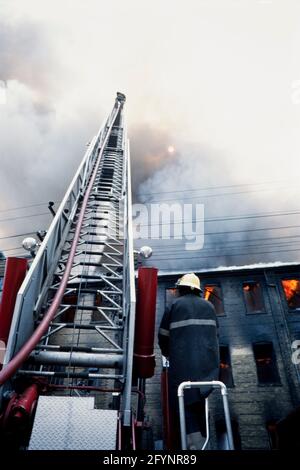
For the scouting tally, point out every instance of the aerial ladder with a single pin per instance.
(66, 381)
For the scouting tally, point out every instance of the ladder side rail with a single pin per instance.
(129, 294)
(95, 144)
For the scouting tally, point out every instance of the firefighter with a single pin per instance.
(188, 337)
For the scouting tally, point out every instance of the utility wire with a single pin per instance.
(217, 247)
(26, 207)
(211, 247)
(24, 216)
(17, 236)
(242, 231)
(204, 196)
(225, 218)
(216, 187)
(11, 249)
(215, 219)
(226, 254)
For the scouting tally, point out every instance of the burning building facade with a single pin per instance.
(258, 309)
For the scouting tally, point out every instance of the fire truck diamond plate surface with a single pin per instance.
(72, 423)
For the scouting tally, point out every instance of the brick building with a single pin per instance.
(258, 309)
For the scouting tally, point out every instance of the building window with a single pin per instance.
(267, 372)
(171, 294)
(253, 297)
(222, 438)
(291, 288)
(213, 293)
(225, 374)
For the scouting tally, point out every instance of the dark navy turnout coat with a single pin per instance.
(188, 337)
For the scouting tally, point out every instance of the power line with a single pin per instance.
(227, 254)
(193, 221)
(230, 245)
(264, 238)
(203, 250)
(225, 218)
(12, 249)
(240, 231)
(203, 196)
(17, 236)
(215, 187)
(26, 207)
(24, 216)
(216, 247)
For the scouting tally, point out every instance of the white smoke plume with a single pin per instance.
(232, 232)
(218, 83)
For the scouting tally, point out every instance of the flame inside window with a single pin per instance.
(213, 293)
(253, 297)
(291, 289)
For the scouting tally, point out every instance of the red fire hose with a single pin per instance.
(9, 370)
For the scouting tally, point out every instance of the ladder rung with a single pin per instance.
(91, 307)
(78, 326)
(56, 347)
(76, 359)
(72, 375)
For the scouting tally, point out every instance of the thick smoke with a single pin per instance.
(149, 152)
(26, 57)
(44, 130)
(227, 241)
(42, 140)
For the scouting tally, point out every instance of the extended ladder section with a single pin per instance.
(73, 324)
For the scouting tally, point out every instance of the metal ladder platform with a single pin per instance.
(72, 423)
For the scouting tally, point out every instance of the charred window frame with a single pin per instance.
(171, 293)
(213, 293)
(291, 292)
(225, 371)
(266, 364)
(253, 297)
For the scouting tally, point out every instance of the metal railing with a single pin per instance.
(215, 384)
(129, 297)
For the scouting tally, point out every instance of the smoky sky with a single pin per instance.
(241, 223)
(217, 82)
(149, 152)
(25, 55)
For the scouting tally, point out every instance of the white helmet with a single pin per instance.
(189, 280)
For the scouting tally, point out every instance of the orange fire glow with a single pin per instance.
(208, 292)
(291, 287)
(223, 365)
